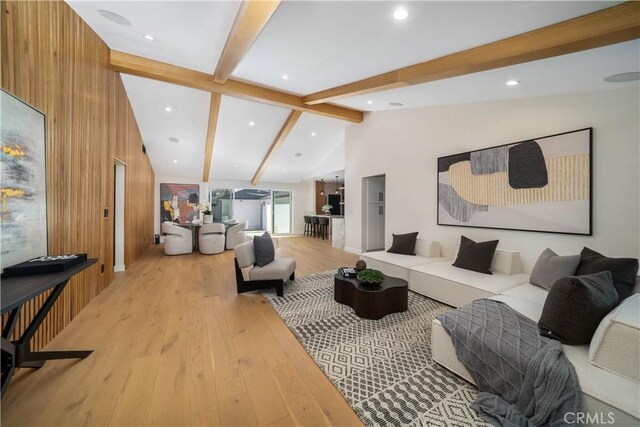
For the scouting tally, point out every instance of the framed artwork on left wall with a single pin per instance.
(23, 181)
(179, 203)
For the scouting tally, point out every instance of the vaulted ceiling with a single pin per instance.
(319, 45)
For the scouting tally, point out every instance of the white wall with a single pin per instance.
(250, 210)
(303, 195)
(404, 145)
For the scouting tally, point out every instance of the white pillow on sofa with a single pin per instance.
(616, 343)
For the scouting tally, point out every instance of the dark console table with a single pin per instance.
(372, 301)
(14, 293)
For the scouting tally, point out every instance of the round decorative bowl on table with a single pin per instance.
(370, 277)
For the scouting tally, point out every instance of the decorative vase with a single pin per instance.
(207, 219)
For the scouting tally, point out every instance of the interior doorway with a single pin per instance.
(118, 216)
(373, 211)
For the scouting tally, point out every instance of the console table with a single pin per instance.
(14, 293)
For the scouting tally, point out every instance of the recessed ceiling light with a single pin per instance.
(285, 77)
(167, 109)
(513, 83)
(313, 134)
(298, 154)
(623, 77)
(400, 14)
(174, 140)
(175, 161)
(149, 37)
(235, 166)
(251, 123)
(369, 102)
(114, 17)
(396, 104)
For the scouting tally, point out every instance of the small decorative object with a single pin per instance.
(205, 208)
(369, 276)
(348, 271)
(44, 265)
(361, 265)
(326, 209)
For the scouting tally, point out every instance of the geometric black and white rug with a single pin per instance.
(383, 367)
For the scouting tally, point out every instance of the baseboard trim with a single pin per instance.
(118, 268)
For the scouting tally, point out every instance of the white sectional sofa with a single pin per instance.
(397, 265)
(603, 391)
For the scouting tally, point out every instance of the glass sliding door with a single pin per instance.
(221, 204)
(282, 212)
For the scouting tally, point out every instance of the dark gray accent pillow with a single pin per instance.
(404, 244)
(575, 307)
(623, 270)
(264, 250)
(476, 256)
(550, 267)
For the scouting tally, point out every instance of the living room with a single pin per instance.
(189, 339)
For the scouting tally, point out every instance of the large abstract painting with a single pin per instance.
(23, 187)
(179, 203)
(543, 184)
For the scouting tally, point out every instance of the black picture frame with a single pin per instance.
(542, 184)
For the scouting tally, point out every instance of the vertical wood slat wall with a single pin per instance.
(52, 60)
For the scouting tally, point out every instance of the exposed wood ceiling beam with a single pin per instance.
(282, 135)
(605, 27)
(250, 20)
(214, 109)
(143, 67)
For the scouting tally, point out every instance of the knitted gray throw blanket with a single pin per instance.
(524, 378)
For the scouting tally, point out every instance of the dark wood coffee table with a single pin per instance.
(372, 302)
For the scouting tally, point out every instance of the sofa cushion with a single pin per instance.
(494, 284)
(404, 244)
(623, 270)
(530, 293)
(396, 259)
(264, 249)
(475, 256)
(278, 269)
(615, 344)
(576, 305)
(550, 267)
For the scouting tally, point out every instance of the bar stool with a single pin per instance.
(307, 225)
(323, 225)
(314, 226)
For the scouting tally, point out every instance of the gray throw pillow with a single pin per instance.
(264, 250)
(575, 307)
(404, 244)
(550, 267)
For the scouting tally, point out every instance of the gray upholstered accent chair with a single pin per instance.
(250, 277)
(236, 234)
(177, 240)
(211, 239)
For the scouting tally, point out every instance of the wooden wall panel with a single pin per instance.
(55, 62)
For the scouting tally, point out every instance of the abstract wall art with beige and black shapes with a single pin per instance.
(23, 194)
(542, 184)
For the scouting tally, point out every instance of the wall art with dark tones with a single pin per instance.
(23, 185)
(179, 203)
(542, 184)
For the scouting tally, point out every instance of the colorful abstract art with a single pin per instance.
(543, 184)
(179, 203)
(23, 187)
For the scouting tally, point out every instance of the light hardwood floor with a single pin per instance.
(175, 345)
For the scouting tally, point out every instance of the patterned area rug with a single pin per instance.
(382, 367)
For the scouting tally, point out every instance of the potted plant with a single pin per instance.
(369, 276)
(205, 208)
(326, 209)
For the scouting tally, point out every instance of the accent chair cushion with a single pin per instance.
(278, 269)
(575, 307)
(623, 270)
(245, 254)
(264, 249)
(475, 256)
(404, 244)
(550, 267)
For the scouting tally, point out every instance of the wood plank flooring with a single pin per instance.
(175, 345)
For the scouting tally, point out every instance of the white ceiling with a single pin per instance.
(321, 44)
